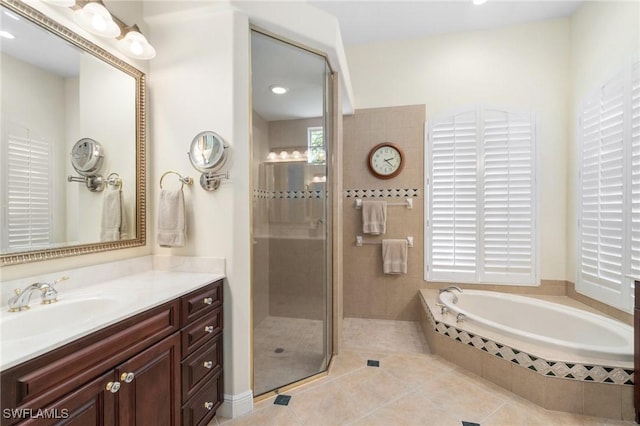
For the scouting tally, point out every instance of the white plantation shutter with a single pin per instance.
(634, 267)
(609, 190)
(453, 214)
(481, 198)
(508, 218)
(28, 193)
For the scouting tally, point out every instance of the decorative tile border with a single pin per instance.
(266, 195)
(564, 370)
(381, 193)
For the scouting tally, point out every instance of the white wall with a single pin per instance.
(605, 36)
(200, 81)
(525, 67)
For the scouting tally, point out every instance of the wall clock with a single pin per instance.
(386, 160)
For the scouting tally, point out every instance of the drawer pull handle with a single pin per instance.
(127, 377)
(208, 329)
(113, 387)
(208, 364)
(208, 300)
(208, 405)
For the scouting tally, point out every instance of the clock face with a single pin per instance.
(386, 160)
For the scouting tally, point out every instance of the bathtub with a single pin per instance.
(544, 323)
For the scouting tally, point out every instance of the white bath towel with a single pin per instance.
(114, 219)
(171, 218)
(374, 217)
(395, 256)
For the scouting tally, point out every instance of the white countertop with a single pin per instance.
(27, 334)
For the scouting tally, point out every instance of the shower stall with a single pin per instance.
(291, 251)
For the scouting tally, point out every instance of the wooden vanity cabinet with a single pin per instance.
(636, 352)
(144, 355)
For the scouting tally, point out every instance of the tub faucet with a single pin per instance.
(460, 317)
(450, 289)
(20, 302)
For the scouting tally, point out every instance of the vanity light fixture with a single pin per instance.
(278, 90)
(135, 44)
(96, 19)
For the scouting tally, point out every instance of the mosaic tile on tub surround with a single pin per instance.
(265, 195)
(565, 370)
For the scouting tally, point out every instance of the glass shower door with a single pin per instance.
(291, 257)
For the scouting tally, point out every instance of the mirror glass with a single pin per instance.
(59, 89)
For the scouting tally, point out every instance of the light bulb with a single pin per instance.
(99, 23)
(284, 155)
(136, 45)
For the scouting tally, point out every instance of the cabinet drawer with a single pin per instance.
(202, 407)
(201, 302)
(200, 331)
(200, 366)
(38, 382)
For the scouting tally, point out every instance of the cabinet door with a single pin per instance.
(151, 393)
(90, 405)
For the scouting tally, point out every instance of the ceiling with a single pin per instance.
(366, 21)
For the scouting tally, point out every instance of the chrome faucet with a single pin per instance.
(460, 317)
(20, 302)
(450, 289)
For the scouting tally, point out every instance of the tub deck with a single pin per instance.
(542, 375)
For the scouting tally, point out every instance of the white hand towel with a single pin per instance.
(374, 217)
(171, 218)
(112, 215)
(394, 256)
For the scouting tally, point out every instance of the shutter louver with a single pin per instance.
(28, 196)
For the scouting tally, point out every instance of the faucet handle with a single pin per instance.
(49, 293)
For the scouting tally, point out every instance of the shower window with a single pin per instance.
(482, 198)
(315, 145)
(609, 190)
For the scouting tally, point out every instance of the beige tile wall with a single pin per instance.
(368, 292)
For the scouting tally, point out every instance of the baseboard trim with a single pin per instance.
(236, 405)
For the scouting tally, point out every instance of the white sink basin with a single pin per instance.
(40, 319)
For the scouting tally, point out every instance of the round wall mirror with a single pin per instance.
(208, 152)
(87, 156)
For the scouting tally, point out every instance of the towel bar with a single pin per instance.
(360, 241)
(408, 203)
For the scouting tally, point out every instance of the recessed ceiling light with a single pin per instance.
(479, 2)
(278, 90)
(6, 34)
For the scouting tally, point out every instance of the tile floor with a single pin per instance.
(411, 387)
(286, 349)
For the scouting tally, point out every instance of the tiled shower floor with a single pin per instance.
(286, 349)
(411, 387)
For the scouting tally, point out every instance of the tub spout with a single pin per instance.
(450, 289)
(460, 317)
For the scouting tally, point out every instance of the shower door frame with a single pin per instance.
(329, 290)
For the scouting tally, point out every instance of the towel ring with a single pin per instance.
(183, 179)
